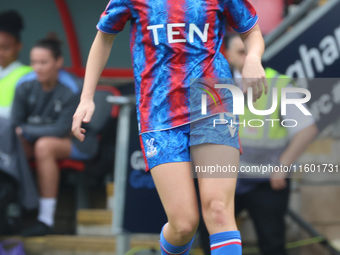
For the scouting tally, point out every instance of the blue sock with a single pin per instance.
(167, 248)
(226, 243)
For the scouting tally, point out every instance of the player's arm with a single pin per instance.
(96, 62)
(253, 72)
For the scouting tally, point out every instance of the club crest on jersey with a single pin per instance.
(151, 150)
(173, 29)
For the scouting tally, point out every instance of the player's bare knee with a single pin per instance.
(184, 227)
(184, 223)
(217, 211)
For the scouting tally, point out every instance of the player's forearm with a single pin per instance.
(96, 62)
(298, 145)
(253, 71)
(253, 42)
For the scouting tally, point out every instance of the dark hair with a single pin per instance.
(11, 22)
(52, 43)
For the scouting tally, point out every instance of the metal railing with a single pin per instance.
(290, 20)
(127, 103)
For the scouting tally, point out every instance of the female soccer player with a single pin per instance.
(172, 42)
(11, 69)
(44, 103)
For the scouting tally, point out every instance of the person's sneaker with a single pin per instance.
(37, 229)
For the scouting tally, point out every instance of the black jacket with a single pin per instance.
(13, 162)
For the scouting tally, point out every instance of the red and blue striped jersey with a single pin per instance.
(171, 42)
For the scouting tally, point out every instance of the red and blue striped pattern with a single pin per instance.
(163, 70)
(225, 243)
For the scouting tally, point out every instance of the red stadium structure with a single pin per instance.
(77, 66)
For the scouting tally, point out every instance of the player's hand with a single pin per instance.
(278, 181)
(83, 114)
(254, 76)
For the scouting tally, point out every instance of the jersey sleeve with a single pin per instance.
(115, 16)
(241, 15)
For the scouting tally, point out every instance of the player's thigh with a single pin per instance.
(58, 147)
(176, 190)
(220, 185)
(215, 151)
(167, 154)
(215, 161)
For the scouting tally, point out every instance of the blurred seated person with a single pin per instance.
(11, 69)
(45, 101)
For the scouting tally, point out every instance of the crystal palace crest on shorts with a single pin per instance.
(151, 150)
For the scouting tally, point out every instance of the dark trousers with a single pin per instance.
(267, 209)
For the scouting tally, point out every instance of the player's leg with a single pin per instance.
(203, 232)
(166, 153)
(47, 152)
(177, 193)
(217, 197)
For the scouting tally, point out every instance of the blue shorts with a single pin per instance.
(173, 145)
